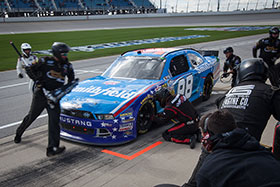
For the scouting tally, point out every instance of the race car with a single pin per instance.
(117, 106)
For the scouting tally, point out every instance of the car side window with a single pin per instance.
(194, 59)
(178, 65)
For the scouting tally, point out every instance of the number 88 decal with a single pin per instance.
(185, 86)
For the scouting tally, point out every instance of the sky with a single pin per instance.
(211, 5)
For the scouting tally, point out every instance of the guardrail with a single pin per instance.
(123, 16)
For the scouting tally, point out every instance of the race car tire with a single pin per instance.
(207, 88)
(144, 117)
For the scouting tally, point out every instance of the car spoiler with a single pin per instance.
(209, 53)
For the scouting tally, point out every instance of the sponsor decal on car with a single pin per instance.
(126, 114)
(106, 124)
(74, 121)
(127, 133)
(125, 127)
(113, 92)
(111, 82)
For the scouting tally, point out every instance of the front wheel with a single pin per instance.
(207, 88)
(144, 117)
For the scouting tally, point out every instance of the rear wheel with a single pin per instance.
(144, 117)
(207, 88)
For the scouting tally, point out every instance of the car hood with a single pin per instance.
(101, 95)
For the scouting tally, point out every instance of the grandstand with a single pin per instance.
(74, 7)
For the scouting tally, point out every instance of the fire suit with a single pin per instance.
(21, 63)
(251, 103)
(179, 109)
(49, 74)
(231, 62)
(269, 50)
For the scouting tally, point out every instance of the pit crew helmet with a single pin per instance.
(25, 46)
(252, 69)
(162, 96)
(274, 30)
(59, 50)
(228, 50)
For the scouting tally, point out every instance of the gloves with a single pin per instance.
(20, 75)
(225, 75)
(33, 75)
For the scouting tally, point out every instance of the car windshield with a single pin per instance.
(136, 67)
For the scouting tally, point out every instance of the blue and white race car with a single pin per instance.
(115, 107)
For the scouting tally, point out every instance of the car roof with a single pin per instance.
(152, 52)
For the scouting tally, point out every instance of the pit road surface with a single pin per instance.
(25, 164)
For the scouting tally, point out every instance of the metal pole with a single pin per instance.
(238, 4)
(265, 4)
(247, 4)
(257, 4)
(208, 5)
(228, 5)
(187, 6)
(198, 5)
(176, 6)
(218, 6)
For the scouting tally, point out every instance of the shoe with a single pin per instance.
(17, 138)
(193, 141)
(52, 151)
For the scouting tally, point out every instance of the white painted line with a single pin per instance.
(78, 72)
(87, 71)
(12, 85)
(19, 122)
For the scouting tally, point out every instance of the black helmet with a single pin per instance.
(273, 30)
(162, 96)
(58, 48)
(252, 69)
(228, 50)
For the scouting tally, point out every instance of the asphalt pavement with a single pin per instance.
(152, 160)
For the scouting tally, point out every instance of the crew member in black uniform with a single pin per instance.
(269, 47)
(270, 52)
(49, 74)
(230, 64)
(236, 159)
(251, 102)
(181, 111)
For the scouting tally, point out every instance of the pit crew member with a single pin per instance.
(49, 74)
(181, 111)
(230, 64)
(27, 59)
(251, 102)
(229, 144)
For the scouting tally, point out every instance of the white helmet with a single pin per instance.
(25, 46)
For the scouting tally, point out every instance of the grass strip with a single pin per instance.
(43, 41)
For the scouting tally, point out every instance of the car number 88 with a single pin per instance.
(185, 86)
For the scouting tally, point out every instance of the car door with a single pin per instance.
(182, 79)
(195, 61)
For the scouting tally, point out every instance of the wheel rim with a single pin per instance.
(208, 87)
(144, 118)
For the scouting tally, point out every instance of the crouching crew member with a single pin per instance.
(179, 110)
